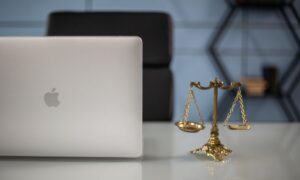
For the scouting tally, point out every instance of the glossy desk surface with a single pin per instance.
(267, 151)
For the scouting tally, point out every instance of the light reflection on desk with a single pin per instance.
(59, 169)
(268, 151)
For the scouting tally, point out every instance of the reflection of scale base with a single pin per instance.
(213, 148)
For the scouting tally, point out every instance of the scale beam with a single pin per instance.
(216, 83)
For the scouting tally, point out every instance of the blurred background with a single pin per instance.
(257, 46)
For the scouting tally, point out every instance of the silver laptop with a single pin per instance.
(71, 96)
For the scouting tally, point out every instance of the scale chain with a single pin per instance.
(200, 114)
(237, 98)
(231, 110)
(190, 97)
(187, 106)
(244, 116)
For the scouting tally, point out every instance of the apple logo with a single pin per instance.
(51, 98)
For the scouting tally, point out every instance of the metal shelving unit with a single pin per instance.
(284, 99)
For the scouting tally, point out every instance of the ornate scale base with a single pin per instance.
(213, 148)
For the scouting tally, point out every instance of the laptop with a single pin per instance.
(71, 96)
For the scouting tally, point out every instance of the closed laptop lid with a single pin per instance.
(71, 96)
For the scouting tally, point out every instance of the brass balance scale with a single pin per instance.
(213, 148)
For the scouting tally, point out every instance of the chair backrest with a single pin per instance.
(156, 31)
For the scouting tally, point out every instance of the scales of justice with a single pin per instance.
(213, 148)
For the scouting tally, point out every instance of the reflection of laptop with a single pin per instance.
(71, 96)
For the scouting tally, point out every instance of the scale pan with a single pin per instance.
(189, 126)
(239, 126)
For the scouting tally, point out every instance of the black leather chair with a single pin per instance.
(156, 31)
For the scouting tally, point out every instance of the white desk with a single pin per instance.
(268, 151)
